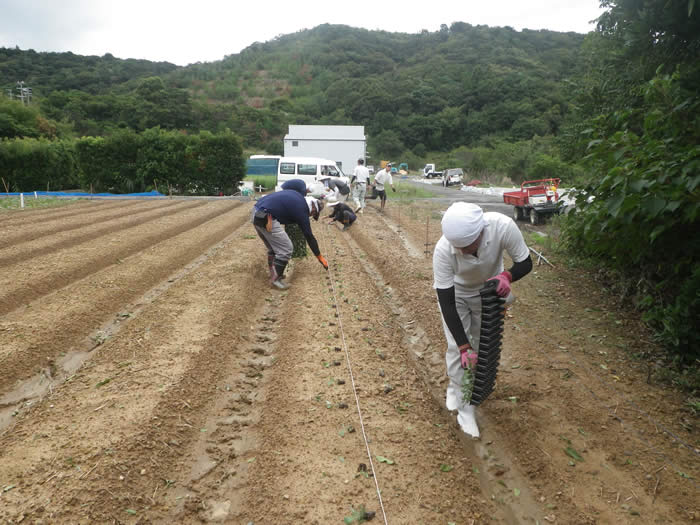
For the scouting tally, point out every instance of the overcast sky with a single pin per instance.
(184, 32)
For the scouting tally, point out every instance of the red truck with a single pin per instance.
(534, 199)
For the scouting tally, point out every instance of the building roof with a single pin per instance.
(325, 133)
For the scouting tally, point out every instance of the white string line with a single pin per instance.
(354, 390)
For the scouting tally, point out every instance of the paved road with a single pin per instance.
(453, 193)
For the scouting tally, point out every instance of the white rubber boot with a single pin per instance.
(466, 417)
(452, 397)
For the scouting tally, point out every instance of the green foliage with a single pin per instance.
(298, 240)
(641, 219)
(38, 164)
(19, 120)
(421, 92)
(127, 162)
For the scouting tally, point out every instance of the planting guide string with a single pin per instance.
(352, 381)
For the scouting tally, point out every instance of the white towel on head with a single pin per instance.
(462, 223)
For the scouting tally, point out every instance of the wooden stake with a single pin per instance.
(427, 224)
(7, 189)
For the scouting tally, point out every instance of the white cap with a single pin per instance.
(462, 223)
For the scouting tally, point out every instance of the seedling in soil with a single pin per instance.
(359, 515)
(99, 338)
(570, 451)
(403, 407)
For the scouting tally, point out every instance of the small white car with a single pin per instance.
(452, 176)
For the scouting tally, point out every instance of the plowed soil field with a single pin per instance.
(150, 374)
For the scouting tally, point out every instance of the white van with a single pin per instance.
(308, 169)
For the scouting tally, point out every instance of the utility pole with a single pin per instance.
(25, 93)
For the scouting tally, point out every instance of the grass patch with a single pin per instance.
(13, 203)
(409, 192)
(268, 182)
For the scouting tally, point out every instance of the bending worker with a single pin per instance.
(338, 189)
(276, 209)
(343, 213)
(297, 185)
(469, 253)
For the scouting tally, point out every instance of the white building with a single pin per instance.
(343, 144)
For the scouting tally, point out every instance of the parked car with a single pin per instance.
(370, 169)
(452, 177)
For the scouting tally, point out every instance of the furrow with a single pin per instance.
(180, 377)
(20, 287)
(68, 238)
(30, 341)
(42, 227)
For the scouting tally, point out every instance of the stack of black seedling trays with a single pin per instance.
(489, 343)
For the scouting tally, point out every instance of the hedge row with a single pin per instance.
(126, 162)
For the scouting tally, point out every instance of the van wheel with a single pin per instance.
(517, 213)
(534, 217)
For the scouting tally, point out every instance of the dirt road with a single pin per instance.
(149, 374)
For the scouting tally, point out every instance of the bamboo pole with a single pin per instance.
(540, 257)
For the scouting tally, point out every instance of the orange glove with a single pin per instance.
(323, 261)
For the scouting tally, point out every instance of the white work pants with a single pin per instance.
(359, 194)
(469, 310)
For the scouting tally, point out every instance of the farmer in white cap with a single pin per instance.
(382, 178)
(469, 253)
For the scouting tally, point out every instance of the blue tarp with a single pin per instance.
(82, 194)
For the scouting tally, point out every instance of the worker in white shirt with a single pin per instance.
(382, 178)
(469, 253)
(360, 180)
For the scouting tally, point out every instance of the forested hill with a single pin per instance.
(431, 91)
(48, 72)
